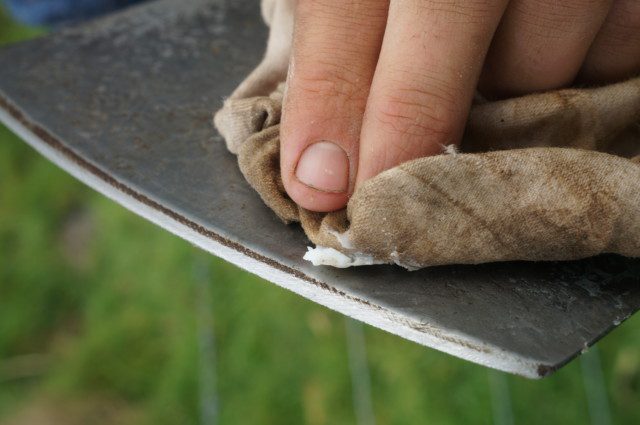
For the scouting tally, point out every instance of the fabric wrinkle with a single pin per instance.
(547, 176)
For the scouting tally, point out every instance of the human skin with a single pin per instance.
(374, 83)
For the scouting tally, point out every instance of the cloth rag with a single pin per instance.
(548, 176)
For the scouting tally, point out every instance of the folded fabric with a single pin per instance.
(551, 176)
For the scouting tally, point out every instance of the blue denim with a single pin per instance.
(52, 12)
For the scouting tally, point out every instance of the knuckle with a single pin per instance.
(341, 8)
(627, 24)
(316, 10)
(554, 19)
(458, 11)
(332, 81)
(419, 114)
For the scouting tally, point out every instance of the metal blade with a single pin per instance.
(124, 104)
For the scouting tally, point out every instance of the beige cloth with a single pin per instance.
(553, 176)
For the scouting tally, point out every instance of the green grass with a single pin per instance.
(108, 300)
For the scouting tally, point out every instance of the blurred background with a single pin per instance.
(107, 319)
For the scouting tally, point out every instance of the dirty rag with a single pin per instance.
(548, 176)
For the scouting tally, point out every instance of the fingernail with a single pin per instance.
(324, 166)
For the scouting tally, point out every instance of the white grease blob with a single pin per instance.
(343, 239)
(324, 256)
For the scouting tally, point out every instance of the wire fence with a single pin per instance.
(362, 400)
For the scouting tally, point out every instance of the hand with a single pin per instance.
(374, 83)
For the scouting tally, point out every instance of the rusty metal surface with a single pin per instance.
(128, 99)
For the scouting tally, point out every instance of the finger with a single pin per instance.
(615, 53)
(426, 75)
(336, 46)
(540, 45)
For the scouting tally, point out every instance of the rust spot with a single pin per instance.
(545, 370)
(426, 328)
